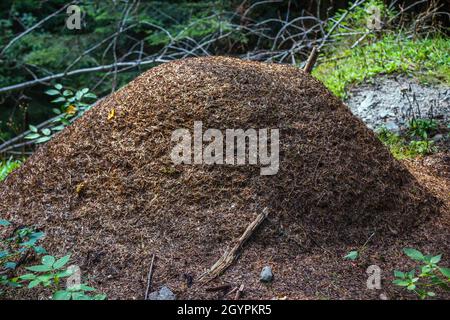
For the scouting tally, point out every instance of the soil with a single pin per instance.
(106, 190)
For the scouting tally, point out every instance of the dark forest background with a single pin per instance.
(120, 39)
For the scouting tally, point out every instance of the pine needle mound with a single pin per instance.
(106, 189)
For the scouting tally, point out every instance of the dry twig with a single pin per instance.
(230, 255)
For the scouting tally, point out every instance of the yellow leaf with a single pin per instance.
(79, 187)
(112, 114)
(71, 109)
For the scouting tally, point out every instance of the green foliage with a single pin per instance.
(80, 292)
(427, 58)
(72, 105)
(425, 278)
(8, 166)
(23, 243)
(401, 148)
(352, 255)
(357, 21)
(421, 128)
(20, 244)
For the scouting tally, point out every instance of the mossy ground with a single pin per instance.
(426, 59)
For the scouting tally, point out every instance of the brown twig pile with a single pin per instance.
(337, 184)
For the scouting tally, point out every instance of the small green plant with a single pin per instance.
(48, 273)
(22, 244)
(78, 292)
(401, 148)
(71, 106)
(355, 254)
(8, 166)
(421, 128)
(426, 277)
(352, 255)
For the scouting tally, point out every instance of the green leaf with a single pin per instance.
(46, 131)
(10, 265)
(28, 276)
(79, 95)
(59, 128)
(402, 283)
(40, 268)
(80, 296)
(43, 139)
(4, 253)
(399, 274)
(65, 273)
(59, 99)
(352, 255)
(90, 95)
(48, 260)
(411, 287)
(67, 93)
(65, 121)
(436, 259)
(52, 92)
(58, 86)
(445, 272)
(62, 295)
(34, 283)
(40, 250)
(61, 262)
(4, 223)
(32, 136)
(431, 294)
(99, 297)
(56, 111)
(414, 254)
(86, 288)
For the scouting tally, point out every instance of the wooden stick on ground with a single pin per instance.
(230, 255)
(149, 278)
(239, 292)
(311, 60)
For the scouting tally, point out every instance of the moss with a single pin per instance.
(427, 59)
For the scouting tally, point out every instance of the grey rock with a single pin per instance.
(385, 99)
(266, 274)
(392, 126)
(163, 294)
(438, 137)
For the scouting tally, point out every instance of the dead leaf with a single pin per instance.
(71, 109)
(79, 187)
(112, 114)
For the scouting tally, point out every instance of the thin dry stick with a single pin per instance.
(149, 278)
(230, 255)
(239, 292)
(311, 60)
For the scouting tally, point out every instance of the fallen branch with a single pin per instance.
(311, 60)
(230, 255)
(149, 278)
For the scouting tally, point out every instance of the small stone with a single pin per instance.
(392, 126)
(383, 296)
(163, 294)
(266, 274)
(438, 137)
